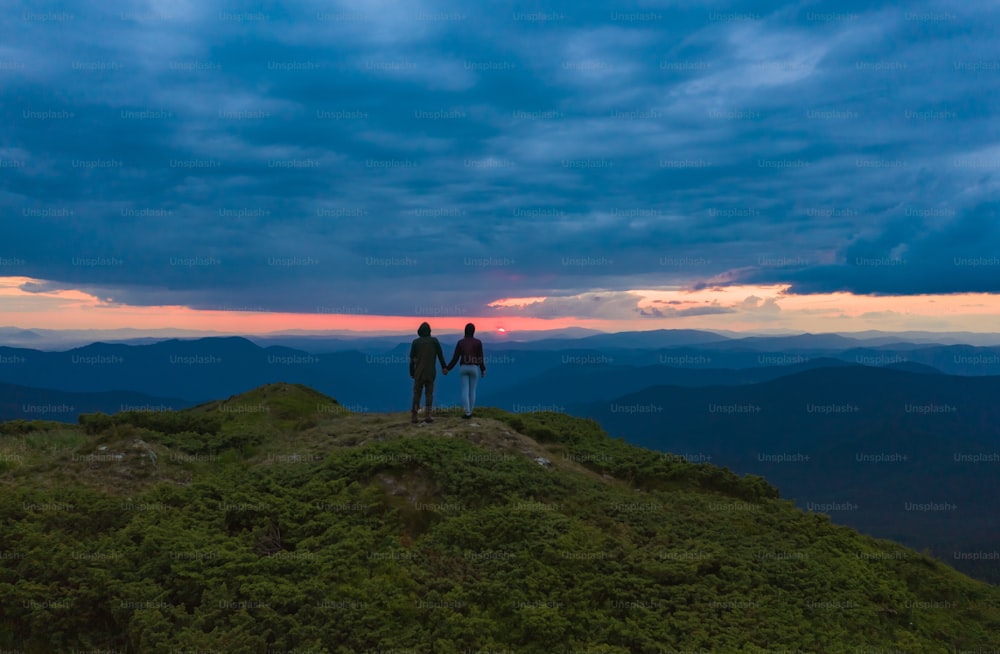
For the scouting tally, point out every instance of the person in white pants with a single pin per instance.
(469, 374)
(469, 351)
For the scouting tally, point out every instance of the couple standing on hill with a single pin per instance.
(423, 353)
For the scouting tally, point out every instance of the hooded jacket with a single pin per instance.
(470, 351)
(423, 351)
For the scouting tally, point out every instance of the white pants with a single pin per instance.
(470, 377)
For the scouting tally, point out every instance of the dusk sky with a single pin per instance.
(259, 167)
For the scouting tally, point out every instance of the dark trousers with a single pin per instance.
(423, 386)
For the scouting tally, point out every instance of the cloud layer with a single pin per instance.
(405, 155)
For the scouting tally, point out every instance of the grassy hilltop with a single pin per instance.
(278, 521)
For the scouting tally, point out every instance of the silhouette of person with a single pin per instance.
(473, 366)
(423, 351)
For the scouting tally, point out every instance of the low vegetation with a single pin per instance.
(277, 521)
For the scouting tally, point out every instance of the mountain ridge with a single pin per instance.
(307, 526)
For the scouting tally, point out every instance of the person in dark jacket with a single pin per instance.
(423, 352)
(473, 366)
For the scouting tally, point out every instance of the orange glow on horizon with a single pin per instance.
(736, 308)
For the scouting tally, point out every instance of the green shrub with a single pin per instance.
(95, 423)
(16, 427)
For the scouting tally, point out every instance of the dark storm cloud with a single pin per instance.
(908, 256)
(366, 154)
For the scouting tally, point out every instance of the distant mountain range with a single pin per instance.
(571, 384)
(197, 370)
(374, 376)
(321, 340)
(338, 340)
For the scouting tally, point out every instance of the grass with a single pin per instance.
(446, 535)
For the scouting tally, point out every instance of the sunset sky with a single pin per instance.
(367, 165)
